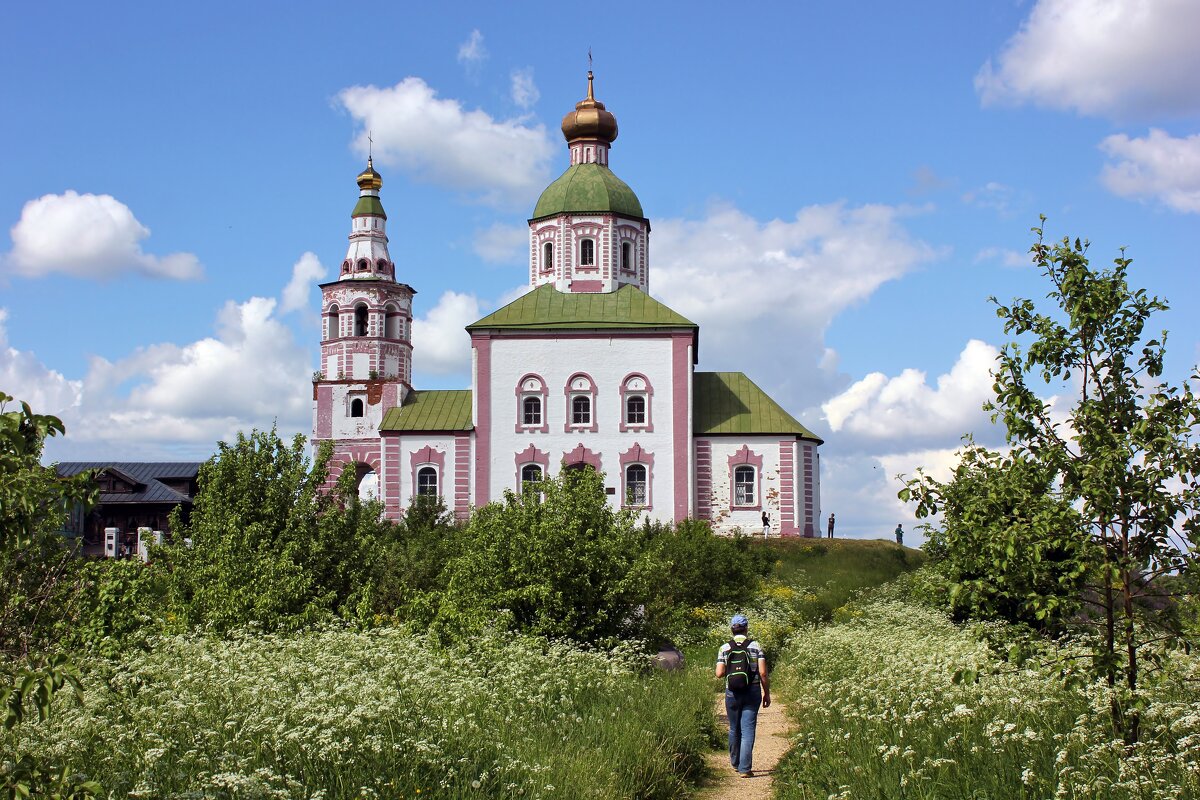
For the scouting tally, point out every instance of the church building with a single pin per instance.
(585, 370)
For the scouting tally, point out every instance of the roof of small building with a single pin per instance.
(729, 402)
(585, 188)
(547, 308)
(148, 474)
(431, 410)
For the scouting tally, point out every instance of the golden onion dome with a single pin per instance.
(590, 120)
(369, 178)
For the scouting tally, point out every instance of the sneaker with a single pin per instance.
(747, 774)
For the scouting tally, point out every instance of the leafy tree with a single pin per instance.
(554, 561)
(267, 543)
(1012, 547)
(35, 563)
(409, 571)
(1123, 458)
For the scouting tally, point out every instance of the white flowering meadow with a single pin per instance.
(895, 701)
(347, 714)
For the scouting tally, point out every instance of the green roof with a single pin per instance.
(368, 204)
(729, 402)
(546, 308)
(437, 410)
(588, 187)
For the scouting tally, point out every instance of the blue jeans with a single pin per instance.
(742, 708)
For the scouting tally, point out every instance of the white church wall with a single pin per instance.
(607, 361)
(763, 454)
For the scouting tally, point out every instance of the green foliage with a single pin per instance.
(338, 713)
(1120, 466)
(409, 571)
(268, 546)
(34, 559)
(1010, 544)
(555, 561)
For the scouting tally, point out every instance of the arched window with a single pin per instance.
(363, 264)
(635, 409)
(381, 265)
(743, 486)
(587, 253)
(531, 411)
(346, 266)
(548, 256)
(635, 485)
(581, 410)
(530, 473)
(626, 256)
(331, 323)
(427, 482)
(391, 322)
(356, 407)
(360, 320)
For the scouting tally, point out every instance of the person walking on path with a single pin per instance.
(831, 526)
(900, 534)
(766, 519)
(743, 664)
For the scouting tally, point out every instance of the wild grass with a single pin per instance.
(895, 701)
(344, 714)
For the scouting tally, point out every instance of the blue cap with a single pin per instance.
(738, 619)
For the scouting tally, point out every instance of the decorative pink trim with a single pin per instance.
(704, 498)
(636, 455)
(681, 419)
(581, 455)
(742, 457)
(521, 393)
(569, 393)
(587, 287)
(808, 453)
(531, 455)
(482, 344)
(648, 393)
(426, 457)
(389, 485)
(787, 488)
(462, 476)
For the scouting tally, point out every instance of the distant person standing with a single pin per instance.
(743, 665)
(900, 535)
(766, 519)
(831, 521)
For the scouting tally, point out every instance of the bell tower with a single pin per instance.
(366, 339)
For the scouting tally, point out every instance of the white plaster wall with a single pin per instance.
(348, 427)
(608, 361)
(411, 444)
(726, 520)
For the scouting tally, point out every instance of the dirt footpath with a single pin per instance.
(770, 743)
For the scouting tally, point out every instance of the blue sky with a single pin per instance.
(834, 188)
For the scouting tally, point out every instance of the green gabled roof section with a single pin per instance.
(729, 402)
(588, 187)
(368, 205)
(546, 308)
(434, 410)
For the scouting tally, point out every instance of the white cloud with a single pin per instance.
(1158, 166)
(440, 344)
(305, 274)
(88, 236)
(472, 53)
(500, 162)
(1110, 57)
(503, 244)
(995, 196)
(1003, 256)
(906, 408)
(785, 280)
(524, 91)
(27, 379)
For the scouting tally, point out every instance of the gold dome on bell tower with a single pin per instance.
(369, 179)
(590, 120)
